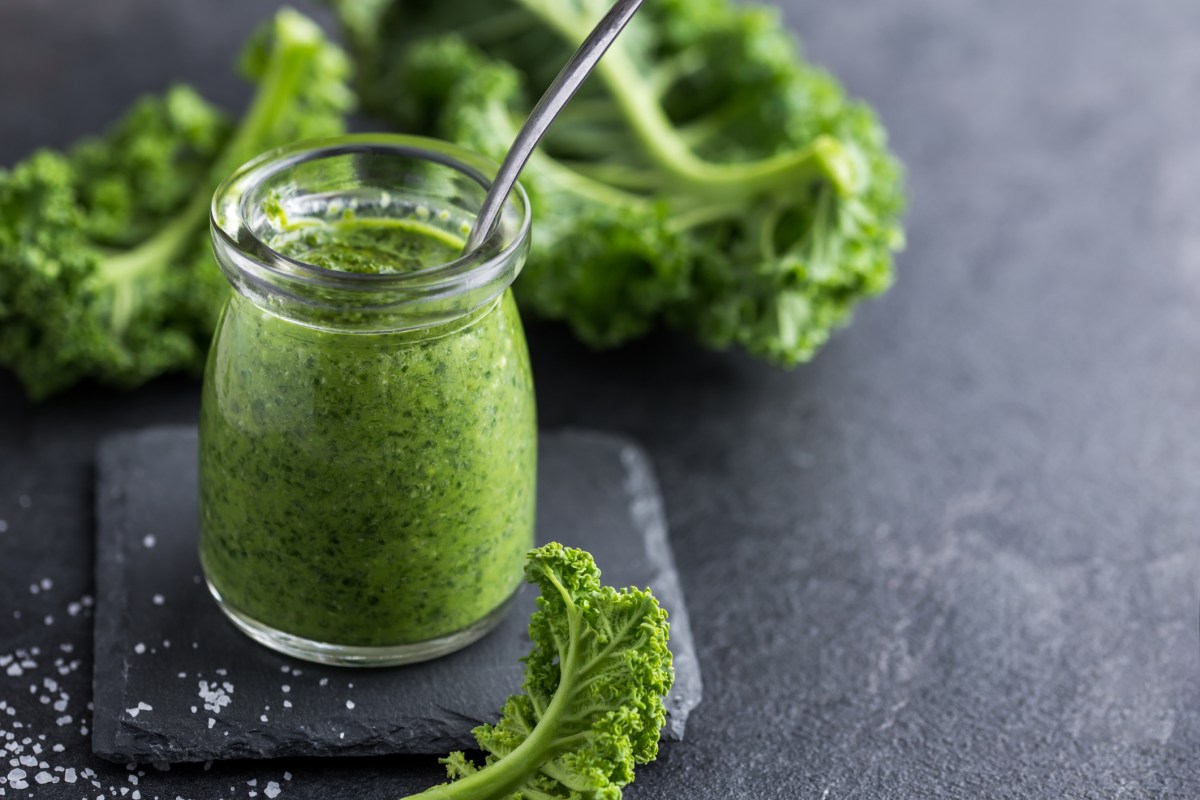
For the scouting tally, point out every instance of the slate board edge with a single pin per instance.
(650, 516)
(110, 498)
(110, 558)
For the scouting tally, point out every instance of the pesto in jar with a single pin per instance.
(367, 489)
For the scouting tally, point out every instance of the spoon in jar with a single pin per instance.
(558, 95)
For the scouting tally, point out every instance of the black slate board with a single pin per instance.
(159, 634)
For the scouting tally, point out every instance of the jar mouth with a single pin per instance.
(233, 208)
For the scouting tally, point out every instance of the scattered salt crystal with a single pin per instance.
(285, 688)
(272, 790)
(16, 778)
(139, 648)
(25, 501)
(287, 776)
(287, 703)
(350, 704)
(211, 722)
(44, 777)
(69, 776)
(3, 526)
(149, 540)
(49, 619)
(47, 584)
(158, 599)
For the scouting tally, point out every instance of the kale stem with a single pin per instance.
(498, 27)
(622, 176)
(825, 158)
(127, 272)
(704, 214)
(500, 778)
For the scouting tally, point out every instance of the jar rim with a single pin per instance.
(482, 264)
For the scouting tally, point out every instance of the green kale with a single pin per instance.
(594, 686)
(106, 271)
(706, 177)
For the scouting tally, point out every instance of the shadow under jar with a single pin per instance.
(367, 430)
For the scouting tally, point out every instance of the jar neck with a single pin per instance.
(343, 303)
(373, 179)
(303, 328)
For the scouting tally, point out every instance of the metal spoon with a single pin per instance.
(560, 92)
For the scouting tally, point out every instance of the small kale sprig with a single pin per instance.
(592, 706)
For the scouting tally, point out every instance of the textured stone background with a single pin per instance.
(955, 557)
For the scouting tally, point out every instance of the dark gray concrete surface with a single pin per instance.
(956, 556)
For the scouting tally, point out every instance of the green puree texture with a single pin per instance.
(367, 489)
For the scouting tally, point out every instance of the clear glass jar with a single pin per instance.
(367, 438)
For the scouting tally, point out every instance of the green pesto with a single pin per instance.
(367, 489)
(370, 246)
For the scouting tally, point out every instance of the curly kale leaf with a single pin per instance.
(706, 177)
(106, 271)
(592, 706)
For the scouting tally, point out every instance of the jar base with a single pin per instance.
(343, 655)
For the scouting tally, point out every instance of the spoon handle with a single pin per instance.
(560, 92)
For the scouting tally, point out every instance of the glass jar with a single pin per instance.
(367, 429)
